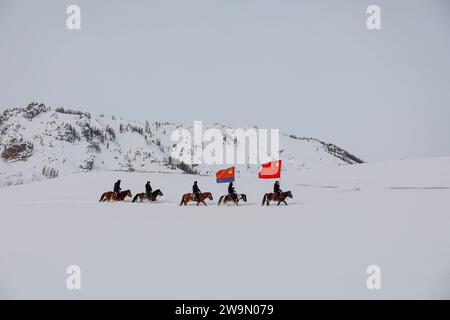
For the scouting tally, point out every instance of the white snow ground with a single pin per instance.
(395, 215)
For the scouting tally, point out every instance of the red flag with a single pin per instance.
(225, 175)
(270, 170)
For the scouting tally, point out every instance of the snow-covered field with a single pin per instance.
(341, 220)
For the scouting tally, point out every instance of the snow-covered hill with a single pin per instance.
(39, 142)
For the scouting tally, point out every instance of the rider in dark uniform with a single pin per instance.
(117, 187)
(232, 192)
(276, 189)
(196, 190)
(148, 190)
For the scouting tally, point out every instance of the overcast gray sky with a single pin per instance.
(307, 67)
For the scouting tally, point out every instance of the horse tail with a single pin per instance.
(182, 200)
(101, 198)
(220, 200)
(264, 199)
(135, 197)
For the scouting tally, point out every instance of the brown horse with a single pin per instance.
(111, 196)
(142, 196)
(201, 199)
(273, 197)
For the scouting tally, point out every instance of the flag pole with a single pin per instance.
(280, 171)
(279, 179)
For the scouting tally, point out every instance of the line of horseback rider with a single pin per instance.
(197, 194)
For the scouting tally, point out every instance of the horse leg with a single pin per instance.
(279, 202)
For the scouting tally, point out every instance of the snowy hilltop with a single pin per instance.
(39, 142)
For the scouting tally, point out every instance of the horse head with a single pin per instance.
(128, 193)
(158, 192)
(289, 194)
(210, 197)
(244, 197)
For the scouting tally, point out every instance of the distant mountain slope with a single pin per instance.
(38, 142)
